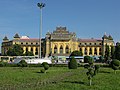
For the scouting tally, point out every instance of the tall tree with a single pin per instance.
(16, 50)
(72, 64)
(112, 52)
(115, 64)
(92, 69)
(76, 53)
(107, 53)
(28, 53)
(117, 51)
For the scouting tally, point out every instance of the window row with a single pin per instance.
(90, 43)
(31, 50)
(29, 43)
(91, 50)
(61, 49)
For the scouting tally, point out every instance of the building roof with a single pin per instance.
(5, 38)
(61, 33)
(16, 36)
(28, 40)
(89, 40)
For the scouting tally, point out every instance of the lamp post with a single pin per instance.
(40, 5)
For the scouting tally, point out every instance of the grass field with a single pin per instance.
(56, 78)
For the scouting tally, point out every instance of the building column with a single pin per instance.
(47, 49)
(88, 49)
(58, 48)
(98, 50)
(83, 50)
(34, 50)
(64, 48)
(29, 49)
(93, 51)
(24, 49)
(52, 48)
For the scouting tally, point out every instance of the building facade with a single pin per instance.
(26, 43)
(60, 42)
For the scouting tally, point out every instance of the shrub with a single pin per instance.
(44, 63)
(39, 65)
(90, 72)
(76, 53)
(115, 64)
(2, 64)
(96, 69)
(90, 61)
(22, 63)
(86, 66)
(101, 59)
(46, 67)
(73, 63)
(42, 71)
(92, 69)
(86, 59)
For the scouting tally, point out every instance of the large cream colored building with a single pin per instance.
(60, 42)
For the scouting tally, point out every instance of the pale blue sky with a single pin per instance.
(88, 18)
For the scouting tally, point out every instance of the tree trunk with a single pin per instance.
(90, 82)
(115, 71)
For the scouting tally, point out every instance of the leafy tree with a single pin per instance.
(16, 50)
(107, 53)
(115, 64)
(87, 59)
(28, 53)
(54, 59)
(22, 63)
(10, 52)
(46, 67)
(42, 70)
(72, 64)
(76, 53)
(44, 63)
(96, 69)
(3, 64)
(112, 52)
(101, 59)
(117, 51)
(92, 70)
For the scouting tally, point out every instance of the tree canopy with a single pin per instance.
(88, 59)
(72, 63)
(113, 52)
(117, 52)
(15, 50)
(107, 53)
(28, 53)
(115, 64)
(76, 53)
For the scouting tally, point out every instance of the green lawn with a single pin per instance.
(56, 78)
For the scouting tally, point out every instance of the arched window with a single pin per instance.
(31, 49)
(95, 51)
(26, 49)
(80, 49)
(61, 49)
(42, 50)
(36, 51)
(67, 49)
(90, 52)
(100, 51)
(85, 52)
(55, 49)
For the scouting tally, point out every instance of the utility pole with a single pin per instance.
(40, 5)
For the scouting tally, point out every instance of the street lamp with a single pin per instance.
(40, 5)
